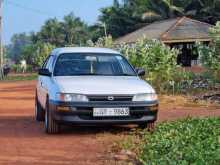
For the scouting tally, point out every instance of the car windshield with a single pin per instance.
(73, 64)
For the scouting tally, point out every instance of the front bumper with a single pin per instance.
(82, 113)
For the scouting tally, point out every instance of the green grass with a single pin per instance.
(21, 77)
(183, 142)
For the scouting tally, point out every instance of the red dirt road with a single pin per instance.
(23, 141)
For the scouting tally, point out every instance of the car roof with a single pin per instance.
(59, 51)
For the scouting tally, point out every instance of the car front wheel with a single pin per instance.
(51, 126)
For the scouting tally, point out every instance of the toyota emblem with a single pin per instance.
(110, 98)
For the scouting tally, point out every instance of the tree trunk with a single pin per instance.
(1, 73)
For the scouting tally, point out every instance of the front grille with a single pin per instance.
(110, 98)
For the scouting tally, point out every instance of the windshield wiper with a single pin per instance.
(124, 74)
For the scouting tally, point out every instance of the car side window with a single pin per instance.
(50, 63)
(45, 63)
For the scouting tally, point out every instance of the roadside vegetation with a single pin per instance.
(189, 141)
(157, 59)
(163, 73)
(117, 20)
(21, 77)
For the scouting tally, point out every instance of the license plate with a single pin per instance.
(101, 112)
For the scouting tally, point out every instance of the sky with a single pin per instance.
(29, 15)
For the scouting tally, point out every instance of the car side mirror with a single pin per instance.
(44, 72)
(140, 71)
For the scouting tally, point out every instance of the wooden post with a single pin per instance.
(1, 45)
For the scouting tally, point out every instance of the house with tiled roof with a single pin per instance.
(181, 33)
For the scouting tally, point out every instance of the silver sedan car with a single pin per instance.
(92, 86)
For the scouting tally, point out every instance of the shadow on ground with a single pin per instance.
(26, 126)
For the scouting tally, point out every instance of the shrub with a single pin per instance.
(103, 42)
(182, 81)
(210, 54)
(16, 68)
(189, 141)
(157, 59)
(30, 69)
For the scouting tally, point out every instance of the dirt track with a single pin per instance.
(23, 141)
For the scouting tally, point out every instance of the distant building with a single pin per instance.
(181, 33)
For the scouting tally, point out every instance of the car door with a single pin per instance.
(39, 82)
(45, 82)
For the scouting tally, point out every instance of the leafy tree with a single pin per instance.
(96, 31)
(204, 10)
(18, 42)
(133, 14)
(70, 31)
(130, 15)
(28, 54)
(75, 31)
(37, 53)
(164, 8)
(119, 20)
(51, 32)
(42, 50)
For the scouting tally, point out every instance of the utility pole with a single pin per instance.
(1, 45)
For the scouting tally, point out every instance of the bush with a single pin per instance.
(30, 69)
(103, 42)
(157, 59)
(189, 141)
(182, 81)
(37, 53)
(210, 54)
(15, 68)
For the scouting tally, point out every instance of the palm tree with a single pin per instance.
(51, 32)
(76, 32)
(204, 10)
(164, 8)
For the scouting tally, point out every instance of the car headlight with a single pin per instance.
(145, 97)
(72, 97)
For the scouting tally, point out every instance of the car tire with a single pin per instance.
(51, 126)
(39, 112)
(149, 126)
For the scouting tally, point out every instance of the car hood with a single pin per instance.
(100, 85)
